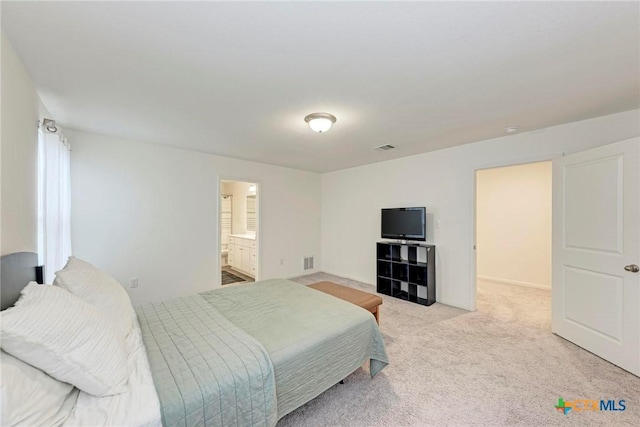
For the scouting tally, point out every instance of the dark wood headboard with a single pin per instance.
(17, 270)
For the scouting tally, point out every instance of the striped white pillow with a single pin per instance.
(32, 398)
(67, 338)
(74, 263)
(101, 290)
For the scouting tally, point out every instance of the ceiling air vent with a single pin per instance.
(385, 147)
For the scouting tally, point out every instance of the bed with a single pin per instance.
(241, 355)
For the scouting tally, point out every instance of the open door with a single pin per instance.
(596, 251)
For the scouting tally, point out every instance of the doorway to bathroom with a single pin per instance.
(238, 221)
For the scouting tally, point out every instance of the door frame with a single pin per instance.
(473, 253)
(258, 184)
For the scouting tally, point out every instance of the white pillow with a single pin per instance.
(101, 290)
(32, 398)
(74, 263)
(67, 338)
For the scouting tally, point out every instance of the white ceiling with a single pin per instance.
(237, 79)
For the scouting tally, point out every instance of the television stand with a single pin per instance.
(407, 271)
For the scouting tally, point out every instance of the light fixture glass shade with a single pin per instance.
(320, 125)
(320, 122)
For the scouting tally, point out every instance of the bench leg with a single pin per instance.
(376, 314)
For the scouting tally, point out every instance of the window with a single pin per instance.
(54, 204)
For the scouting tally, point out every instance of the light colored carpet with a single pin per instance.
(498, 366)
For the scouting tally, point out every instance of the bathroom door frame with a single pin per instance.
(258, 184)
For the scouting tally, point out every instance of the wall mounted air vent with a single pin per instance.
(385, 147)
(308, 262)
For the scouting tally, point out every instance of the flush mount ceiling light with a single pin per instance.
(320, 122)
(50, 125)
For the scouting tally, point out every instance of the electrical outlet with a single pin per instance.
(133, 282)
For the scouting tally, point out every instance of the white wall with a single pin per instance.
(513, 224)
(21, 110)
(149, 211)
(443, 182)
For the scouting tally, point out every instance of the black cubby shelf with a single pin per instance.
(407, 271)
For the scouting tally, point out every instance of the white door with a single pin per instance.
(596, 248)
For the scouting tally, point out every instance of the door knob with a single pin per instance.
(632, 268)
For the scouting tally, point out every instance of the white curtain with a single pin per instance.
(54, 207)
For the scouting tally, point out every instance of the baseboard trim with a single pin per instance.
(347, 276)
(454, 305)
(514, 282)
(304, 273)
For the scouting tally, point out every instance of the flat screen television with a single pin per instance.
(404, 224)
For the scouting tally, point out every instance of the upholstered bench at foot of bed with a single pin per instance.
(362, 299)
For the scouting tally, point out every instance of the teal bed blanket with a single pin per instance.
(284, 344)
(314, 340)
(206, 371)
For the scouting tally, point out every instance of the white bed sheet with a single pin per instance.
(137, 407)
